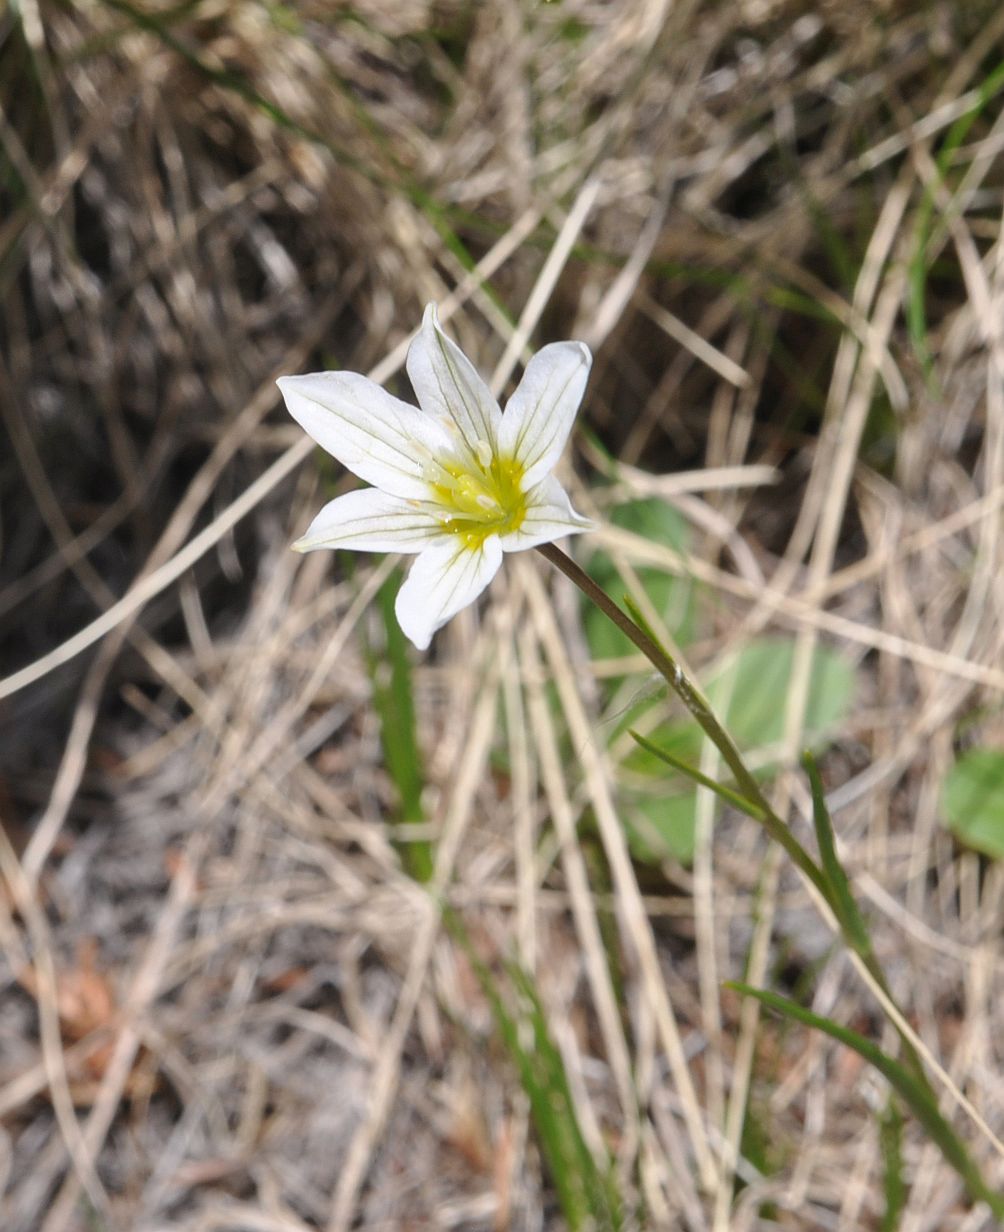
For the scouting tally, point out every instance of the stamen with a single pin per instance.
(476, 501)
(436, 473)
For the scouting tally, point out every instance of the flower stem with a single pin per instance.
(776, 828)
(831, 885)
(674, 676)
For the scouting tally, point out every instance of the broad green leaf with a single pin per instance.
(757, 680)
(974, 801)
(662, 828)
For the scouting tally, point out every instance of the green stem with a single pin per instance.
(674, 676)
(830, 880)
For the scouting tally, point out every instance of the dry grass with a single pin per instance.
(225, 1004)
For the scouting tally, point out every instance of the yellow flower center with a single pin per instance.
(480, 499)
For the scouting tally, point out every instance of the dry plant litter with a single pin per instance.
(226, 1003)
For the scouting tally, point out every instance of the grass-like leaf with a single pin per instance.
(914, 1092)
(919, 266)
(725, 793)
(851, 919)
(393, 701)
(585, 1188)
(893, 1182)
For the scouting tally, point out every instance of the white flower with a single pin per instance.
(457, 482)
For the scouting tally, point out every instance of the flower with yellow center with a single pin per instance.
(457, 482)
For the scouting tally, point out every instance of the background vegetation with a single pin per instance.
(229, 1001)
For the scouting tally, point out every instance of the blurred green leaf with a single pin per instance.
(662, 827)
(756, 682)
(974, 801)
(762, 1147)
(671, 596)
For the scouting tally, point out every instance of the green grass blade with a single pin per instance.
(393, 700)
(915, 1093)
(853, 925)
(580, 1175)
(585, 1190)
(916, 309)
(893, 1183)
(851, 919)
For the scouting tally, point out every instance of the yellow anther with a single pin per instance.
(477, 503)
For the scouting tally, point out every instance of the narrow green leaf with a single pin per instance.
(636, 614)
(893, 1183)
(725, 793)
(393, 700)
(851, 919)
(916, 308)
(915, 1093)
(585, 1190)
(580, 1170)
